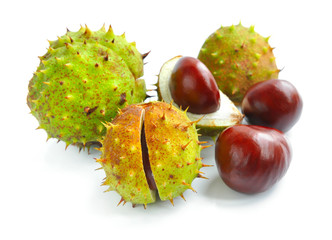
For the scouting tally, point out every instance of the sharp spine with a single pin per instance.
(181, 195)
(203, 147)
(87, 32)
(206, 165)
(163, 117)
(198, 120)
(121, 200)
(189, 186)
(201, 176)
(186, 145)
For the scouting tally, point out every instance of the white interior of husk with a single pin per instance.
(226, 115)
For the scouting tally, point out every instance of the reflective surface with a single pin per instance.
(250, 159)
(192, 85)
(273, 103)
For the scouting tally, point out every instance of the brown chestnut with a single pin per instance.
(251, 159)
(192, 85)
(273, 103)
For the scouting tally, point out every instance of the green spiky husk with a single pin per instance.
(82, 80)
(238, 57)
(173, 149)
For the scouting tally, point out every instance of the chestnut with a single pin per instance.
(193, 85)
(201, 94)
(272, 103)
(251, 159)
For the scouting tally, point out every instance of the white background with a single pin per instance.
(49, 193)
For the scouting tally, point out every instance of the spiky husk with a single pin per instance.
(82, 80)
(173, 150)
(238, 57)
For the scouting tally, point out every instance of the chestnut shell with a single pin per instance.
(193, 85)
(251, 159)
(273, 103)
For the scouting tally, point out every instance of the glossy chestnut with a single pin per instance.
(251, 159)
(273, 103)
(192, 85)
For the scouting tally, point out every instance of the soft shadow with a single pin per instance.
(106, 204)
(72, 161)
(224, 195)
(58, 157)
